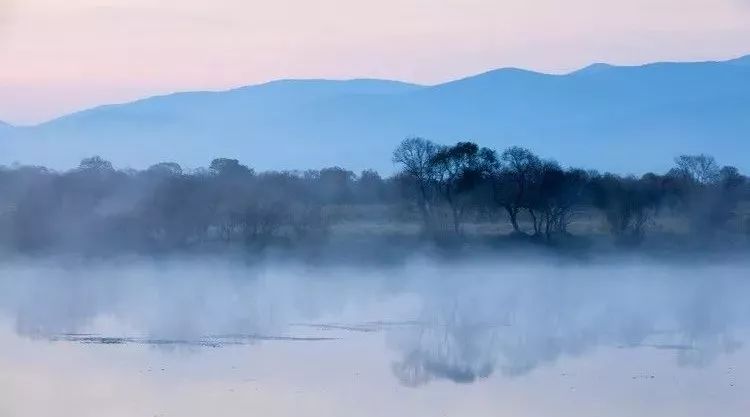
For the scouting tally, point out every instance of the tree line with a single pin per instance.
(440, 188)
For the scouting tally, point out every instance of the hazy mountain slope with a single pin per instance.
(607, 117)
(633, 118)
(744, 61)
(238, 105)
(5, 130)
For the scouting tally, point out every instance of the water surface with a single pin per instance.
(523, 338)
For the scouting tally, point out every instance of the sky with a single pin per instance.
(59, 56)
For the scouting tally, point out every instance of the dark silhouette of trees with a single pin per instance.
(458, 170)
(627, 203)
(553, 194)
(370, 188)
(416, 156)
(165, 169)
(709, 194)
(229, 168)
(96, 164)
(96, 207)
(520, 169)
(702, 169)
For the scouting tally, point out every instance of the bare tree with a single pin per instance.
(458, 170)
(520, 165)
(416, 156)
(701, 168)
(628, 205)
(95, 207)
(95, 163)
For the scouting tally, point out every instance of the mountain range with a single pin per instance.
(628, 119)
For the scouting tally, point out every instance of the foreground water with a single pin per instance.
(521, 338)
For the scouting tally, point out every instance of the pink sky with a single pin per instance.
(58, 56)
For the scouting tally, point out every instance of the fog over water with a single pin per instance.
(544, 329)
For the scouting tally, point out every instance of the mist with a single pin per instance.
(455, 321)
(470, 269)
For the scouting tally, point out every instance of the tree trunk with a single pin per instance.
(534, 220)
(513, 215)
(456, 221)
(424, 209)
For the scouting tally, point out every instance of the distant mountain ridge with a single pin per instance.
(5, 129)
(623, 118)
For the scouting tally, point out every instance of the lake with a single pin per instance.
(525, 337)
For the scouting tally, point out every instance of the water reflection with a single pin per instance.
(462, 323)
(524, 320)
